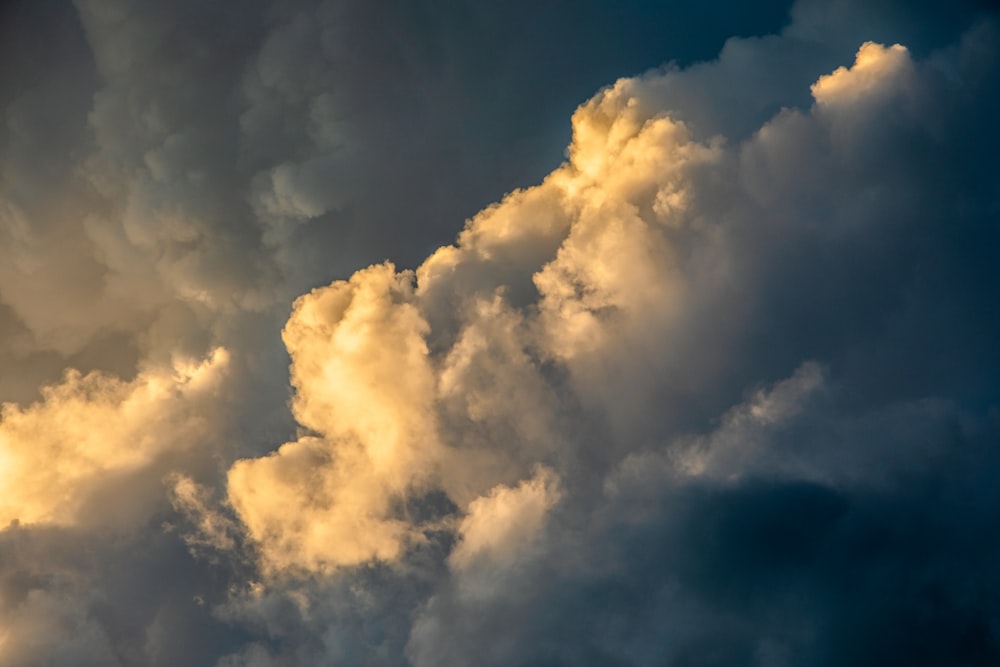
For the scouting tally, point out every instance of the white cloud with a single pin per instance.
(503, 524)
(87, 452)
(364, 384)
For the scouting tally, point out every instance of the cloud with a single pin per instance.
(66, 459)
(500, 525)
(364, 383)
(84, 595)
(701, 338)
(877, 71)
(719, 389)
(40, 616)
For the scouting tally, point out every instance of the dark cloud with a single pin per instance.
(80, 598)
(761, 570)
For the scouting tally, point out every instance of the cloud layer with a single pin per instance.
(720, 389)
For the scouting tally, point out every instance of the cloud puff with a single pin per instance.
(717, 345)
(877, 71)
(64, 459)
(500, 525)
(364, 383)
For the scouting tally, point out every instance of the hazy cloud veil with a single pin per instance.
(719, 389)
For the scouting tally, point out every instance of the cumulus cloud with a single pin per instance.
(62, 458)
(364, 383)
(720, 389)
(598, 324)
(504, 523)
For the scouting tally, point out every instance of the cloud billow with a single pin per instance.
(719, 390)
(697, 400)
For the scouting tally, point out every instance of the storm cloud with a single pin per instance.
(717, 389)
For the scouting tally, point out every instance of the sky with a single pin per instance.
(432, 334)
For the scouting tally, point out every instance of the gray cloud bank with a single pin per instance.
(719, 390)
